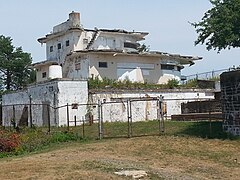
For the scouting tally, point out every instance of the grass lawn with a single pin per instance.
(186, 150)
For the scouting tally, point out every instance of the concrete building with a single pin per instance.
(75, 54)
(106, 53)
(45, 99)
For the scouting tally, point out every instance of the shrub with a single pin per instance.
(9, 142)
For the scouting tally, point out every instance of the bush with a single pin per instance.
(9, 142)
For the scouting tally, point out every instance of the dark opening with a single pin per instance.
(102, 64)
(59, 46)
(167, 67)
(51, 48)
(67, 43)
(44, 74)
(131, 45)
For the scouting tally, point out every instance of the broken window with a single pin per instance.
(51, 48)
(59, 46)
(167, 67)
(131, 45)
(44, 74)
(102, 64)
(67, 43)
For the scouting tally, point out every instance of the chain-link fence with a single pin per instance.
(94, 120)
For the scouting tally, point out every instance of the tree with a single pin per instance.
(14, 65)
(220, 26)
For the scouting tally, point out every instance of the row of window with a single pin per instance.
(59, 46)
(163, 66)
(105, 65)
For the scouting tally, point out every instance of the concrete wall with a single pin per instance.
(150, 66)
(145, 110)
(230, 90)
(113, 41)
(56, 93)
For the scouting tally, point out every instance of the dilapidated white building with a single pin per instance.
(106, 53)
(74, 54)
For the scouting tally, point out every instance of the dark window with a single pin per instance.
(59, 46)
(51, 48)
(44, 74)
(102, 64)
(167, 67)
(67, 43)
(179, 68)
(131, 45)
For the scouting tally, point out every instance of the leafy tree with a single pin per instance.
(220, 26)
(14, 66)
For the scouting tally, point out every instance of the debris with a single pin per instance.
(136, 174)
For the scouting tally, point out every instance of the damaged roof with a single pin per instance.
(181, 58)
(120, 31)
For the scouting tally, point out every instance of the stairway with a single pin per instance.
(94, 37)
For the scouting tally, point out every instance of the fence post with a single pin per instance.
(75, 121)
(99, 119)
(210, 120)
(67, 117)
(102, 126)
(48, 114)
(30, 110)
(130, 110)
(83, 127)
(160, 115)
(14, 118)
(128, 114)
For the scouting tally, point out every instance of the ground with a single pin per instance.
(162, 157)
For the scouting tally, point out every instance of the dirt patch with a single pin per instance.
(163, 157)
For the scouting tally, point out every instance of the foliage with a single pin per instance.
(220, 26)
(191, 84)
(9, 141)
(172, 83)
(14, 66)
(126, 84)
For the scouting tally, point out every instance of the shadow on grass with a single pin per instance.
(205, 129)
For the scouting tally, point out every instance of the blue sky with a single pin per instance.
(165, 20)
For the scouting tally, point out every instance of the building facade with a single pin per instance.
(106, 53)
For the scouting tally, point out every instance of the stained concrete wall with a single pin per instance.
(56, 93)
(144, 110)
(230, 90)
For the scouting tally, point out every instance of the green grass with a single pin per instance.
(38, 138)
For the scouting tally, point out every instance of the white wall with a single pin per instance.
(145, 110)
(56, 93)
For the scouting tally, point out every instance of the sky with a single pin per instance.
(167, 22)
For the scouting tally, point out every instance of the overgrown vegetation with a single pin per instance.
(106, 83)
(29, 140)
